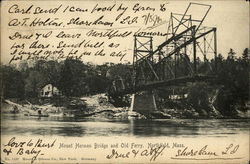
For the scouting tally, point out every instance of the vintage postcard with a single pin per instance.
(124, 81)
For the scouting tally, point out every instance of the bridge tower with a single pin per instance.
(143, 45)
(143, 102)
(188, 46)
(185, 53)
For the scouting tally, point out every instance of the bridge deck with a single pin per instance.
(169, 82)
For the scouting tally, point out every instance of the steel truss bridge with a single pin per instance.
(189, 46)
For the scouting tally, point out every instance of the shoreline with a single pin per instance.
(99, 106)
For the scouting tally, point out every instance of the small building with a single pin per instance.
(49, 91)
(178, 97)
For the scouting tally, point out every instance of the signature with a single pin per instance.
(192, 152)
(151, 153)
(185, 153)
(205, 154)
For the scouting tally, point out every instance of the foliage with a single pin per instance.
(198, 95)
(33, 83)
(12, 82)
(230, 90)
(72, 77)
(76, 78)
(233, 74)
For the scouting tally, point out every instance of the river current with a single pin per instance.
(12, 124)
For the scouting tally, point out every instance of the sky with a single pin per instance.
(232, 21)
(231, 18)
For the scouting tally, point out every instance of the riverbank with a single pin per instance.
(98, 106)
(87, 106)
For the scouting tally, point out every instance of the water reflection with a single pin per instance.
(69, 126)
(162, 127)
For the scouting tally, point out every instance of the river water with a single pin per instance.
(12, 124)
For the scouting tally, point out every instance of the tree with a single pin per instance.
(245, 54)
(50, 71)
(198, 95)
(33, 83)
(72, 77)
(234, 77)
(231, 54)
(12, 82)
(96, 83)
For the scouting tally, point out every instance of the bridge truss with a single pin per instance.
(187, 49)
(187, 55)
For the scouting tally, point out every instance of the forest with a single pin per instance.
(75, 78)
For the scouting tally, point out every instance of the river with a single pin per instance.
(12, 124)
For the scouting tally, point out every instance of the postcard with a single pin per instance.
(124, 81)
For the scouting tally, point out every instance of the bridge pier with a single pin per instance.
(143, 103)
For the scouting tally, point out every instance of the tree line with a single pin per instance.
(74, 78)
